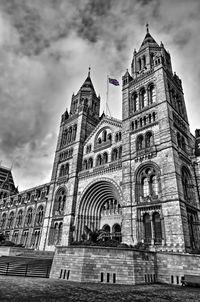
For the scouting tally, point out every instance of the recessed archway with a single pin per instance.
(92, 204)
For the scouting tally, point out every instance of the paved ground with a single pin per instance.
(18, 289)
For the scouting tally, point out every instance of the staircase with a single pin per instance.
(25, 266)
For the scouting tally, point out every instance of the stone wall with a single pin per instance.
(172, 266)
(101, 264)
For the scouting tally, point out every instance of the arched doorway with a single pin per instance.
(100, 201)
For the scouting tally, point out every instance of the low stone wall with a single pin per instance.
(20, 251)
(172, 266)
(102, 264)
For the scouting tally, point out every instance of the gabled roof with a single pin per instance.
(105, 120)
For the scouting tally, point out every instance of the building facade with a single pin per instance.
(137, 178)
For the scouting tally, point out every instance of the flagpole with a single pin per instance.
(107, 94)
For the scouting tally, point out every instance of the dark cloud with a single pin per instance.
(46, 47)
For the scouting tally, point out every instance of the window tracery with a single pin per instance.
(148, 184)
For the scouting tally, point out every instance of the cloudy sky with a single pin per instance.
(46, 47)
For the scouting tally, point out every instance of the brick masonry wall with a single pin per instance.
(89, 264)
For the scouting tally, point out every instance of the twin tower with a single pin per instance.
(137, 179)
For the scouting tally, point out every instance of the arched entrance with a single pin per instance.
(100, 205)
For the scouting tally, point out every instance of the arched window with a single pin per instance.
(147, 228)
(183, 144)
(11, 220)
(179, 142)
(85, 165)
(114, 155)
(62, 169)
(151, 59)
(136, 124)
(99, 140)
(142, 98)
(120, 136)
(98, 160)
(116, 232)
(55, 234)
(74, 133)
(110, 137)
(105, 158)
(60, 229)
(66, 171)
(69, 135)
(139, 64)
(120, 152)
(116, 137)
(90, 163)
(151, 94)
(3, 221)
(157, 227)
(104, 135)
(144, 61)
(153, 185)
(187, 184)
(135, 101)
(148, 140)
(147, 184)
(149, 118)
(29, 216)
(19, 218)
(139, 142)
(145, 187)
(106, 229)
(39, 215)
(59, 203)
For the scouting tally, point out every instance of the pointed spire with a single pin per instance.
(147, 26)
(148, 40)
(89, 71)
(87, 85)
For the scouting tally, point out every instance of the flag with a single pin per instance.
(113, 81)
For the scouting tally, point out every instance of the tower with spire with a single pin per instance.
(158, 178)
(76, 125)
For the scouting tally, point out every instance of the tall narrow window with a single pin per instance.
(105, 158)
(154, 185)
(98, 160)
(114, 155)
(157, 227)
(145, 187)
(85, 165)
(187, 184)
(120, 152)
(151, 94)
(147, 228)
(139, 142)
(90, 163)
(135, 101)
(104, 135)
(3, 221)
(148, 139)
(60, 229)
(139, 64)
(142, 98)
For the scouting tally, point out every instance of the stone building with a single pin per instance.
(136, 178)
